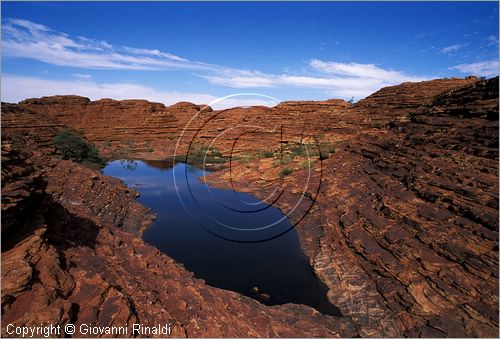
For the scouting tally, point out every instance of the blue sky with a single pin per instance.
(168, 52)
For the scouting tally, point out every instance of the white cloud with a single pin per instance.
(154, 52)
(241, 79)
(356, 70)
(343, 80)
(17, 88)
(451, 48)
(25, 39)
(484, 68)
(82, 76)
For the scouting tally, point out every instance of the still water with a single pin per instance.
(217, 234)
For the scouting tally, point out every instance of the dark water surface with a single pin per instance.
(193, 225)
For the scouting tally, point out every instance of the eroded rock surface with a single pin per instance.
(400, 218)
(77, 257)
(405, 229)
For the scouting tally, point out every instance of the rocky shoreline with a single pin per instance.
(81, 260)
(403, 231)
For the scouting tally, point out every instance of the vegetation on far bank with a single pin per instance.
(73, 146)
(205, 154)
(290, 156)
(290, 151)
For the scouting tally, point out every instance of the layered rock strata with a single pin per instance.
(77, 257)
(400, 218)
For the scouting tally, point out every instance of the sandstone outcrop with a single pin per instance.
(400, 218)
(80, 259)
(405, 229)
(118, 127)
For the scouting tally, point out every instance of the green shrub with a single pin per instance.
(326, 150)
(307, 163)
(285, 171)
(245, 159)
(209, 155)
(130, 144)
(283, 159)
(267, 154)
(300, 150)
(74, 147)
(306, 150)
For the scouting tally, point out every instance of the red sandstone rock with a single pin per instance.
(403, 229)
(81, 260)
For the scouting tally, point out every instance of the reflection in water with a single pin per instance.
(160, 164)
(130, 165)
(273, 272)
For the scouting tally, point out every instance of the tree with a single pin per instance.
(74, 147)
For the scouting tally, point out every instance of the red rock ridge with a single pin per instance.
(404, 231)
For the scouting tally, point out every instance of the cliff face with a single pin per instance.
(403, 230)
(405, 227)
(422, 221)
(117, 127)
(151, 130)
(394, 100)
